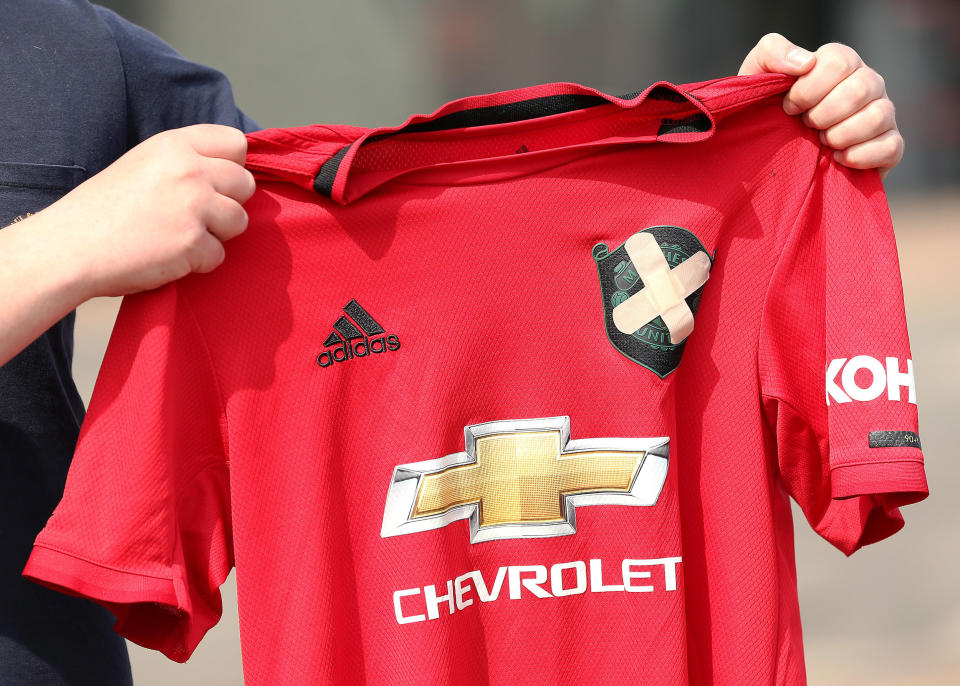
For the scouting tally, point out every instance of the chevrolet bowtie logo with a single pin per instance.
(523, 478)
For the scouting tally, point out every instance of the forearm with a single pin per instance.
(40, 281)
(155, 215)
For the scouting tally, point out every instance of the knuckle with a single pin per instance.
(802, 98)
(892, 145)
(176, 142)
(241, 141)
(812, 119)
(838, 57)
(844, 53)
(187, 246)
(236, 217)
(862, 159)
(891, 110)
(860, 89)
(179, 165)
(245, 185)
(844, 157)
(831, 137)
(834, 62)
(250, 191)
(194, 198)
(198, 258)
(874, 119)
(242, 222)
(870, 81)
(214, 256)
(235, 138)
(882, 115)
(806, 100)
(771, 40)
(191, 170)
(193, 236)
(827, 49)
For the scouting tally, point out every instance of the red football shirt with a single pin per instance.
(515, 393)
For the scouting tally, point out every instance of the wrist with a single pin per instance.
(60, 257)
(39, 282)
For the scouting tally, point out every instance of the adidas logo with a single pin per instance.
(354, 336)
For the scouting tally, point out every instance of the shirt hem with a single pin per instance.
(158, 625)
(875, 478)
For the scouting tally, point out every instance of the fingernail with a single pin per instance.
(798, 57)
(790, 107)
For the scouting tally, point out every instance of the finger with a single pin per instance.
(835, 62)
(214, 140)
(849, 97)
(229, 179)
(876, 118)
(224, 218)
(883, 152)
(774, 53)
(208, 255)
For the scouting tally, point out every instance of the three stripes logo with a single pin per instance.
(355, 334)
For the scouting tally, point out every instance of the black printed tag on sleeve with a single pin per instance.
(894, 439)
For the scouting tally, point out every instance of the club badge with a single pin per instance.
(651, 287)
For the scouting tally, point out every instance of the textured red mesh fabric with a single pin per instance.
(403, 408)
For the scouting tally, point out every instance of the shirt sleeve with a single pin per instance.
(836, 374)
(164, 89)
(144, 524)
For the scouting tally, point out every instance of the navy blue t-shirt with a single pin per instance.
(80, 87)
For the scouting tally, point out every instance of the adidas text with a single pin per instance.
(358, 348)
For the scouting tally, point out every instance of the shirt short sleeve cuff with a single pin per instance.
(148, 608)
(906, 478)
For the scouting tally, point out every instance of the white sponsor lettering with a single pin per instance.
(629, 574)
(433, 600)
(533, 585)
(596, 579)
(462, 589)
(528, 581)
(556, 578)
(669, 574)
(485, 595)
(896, 379)
(849, 381)
(401, 619)
(833, 390)
(887, 377)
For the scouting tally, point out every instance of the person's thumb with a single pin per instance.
(774, 53)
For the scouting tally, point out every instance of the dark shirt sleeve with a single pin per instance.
(164, 89)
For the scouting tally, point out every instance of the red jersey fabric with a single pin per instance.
(443, 408)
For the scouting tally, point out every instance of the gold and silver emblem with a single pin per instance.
(524, 478)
